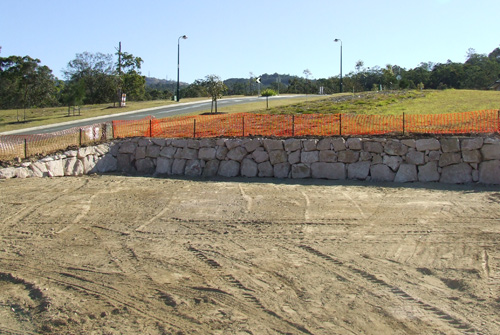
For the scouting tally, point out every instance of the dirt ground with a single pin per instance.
(138, 255)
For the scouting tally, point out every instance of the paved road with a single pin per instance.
(157, 112)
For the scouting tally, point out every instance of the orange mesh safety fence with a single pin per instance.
(480, 122)
(246, 124)
(22, 146)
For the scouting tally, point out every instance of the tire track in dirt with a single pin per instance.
(107, 294)
(440, 314)
(247, 293)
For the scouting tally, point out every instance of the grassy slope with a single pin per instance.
(396, 103)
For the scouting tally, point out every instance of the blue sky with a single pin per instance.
(231, 38)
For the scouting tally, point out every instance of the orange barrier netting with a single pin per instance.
(12, 146)
(246, 124)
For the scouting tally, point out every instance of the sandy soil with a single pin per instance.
(136, 255)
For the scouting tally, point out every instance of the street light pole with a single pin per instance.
(178, 54)
(341, 85)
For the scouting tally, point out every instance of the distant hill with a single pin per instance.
(266, 79)
(162, 84)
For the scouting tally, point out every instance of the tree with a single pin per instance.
(215, 88)
(25, 83)
(73, 94)
(268, 93)
(97, 72)
(130, 80)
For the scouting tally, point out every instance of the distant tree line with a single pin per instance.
(94, 78)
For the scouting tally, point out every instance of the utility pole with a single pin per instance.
(119, 89)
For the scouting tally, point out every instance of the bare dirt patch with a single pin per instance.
(116, 255)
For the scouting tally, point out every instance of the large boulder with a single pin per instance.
(359, 170)
(322, 170)
(456, 174)
(381, 172)
(406, 173)
(489, 172)
(229, 168)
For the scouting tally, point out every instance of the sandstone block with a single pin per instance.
(456, 174)
(489, 172)
(292, 144)
(164, 165)
(472, 143)
(450, 145)
(348, 156)
(249, 168)
(271, 145)
(300, 171)
(193, 144)
(22, 173)
(140, 152)
(281, 170)
(277, 156)
(168, 152)
(145, 166)
(161, 142)
(178, 166)
(490, 151)
(471, 156)
(309, 145)
(427, 144)
(107, 163)
(89, 163)
(406, 173)
(153, 151)
(211, 168)
(339, 144)
(193, 168)
(294, 157)
(449, 158)
(7, 173)
(69, 166)
(229, 168)
(325, 144)
(265, 169)
(84, 152)
(409, 143)
(428, 172)
(233, 143)
(237, 154)
(188, 153)
(392, 161)
(359, 170)
(375, 147)
(415, 157)
(207, 153)
(395, 148)
(179, 142)
(309, 157)
(260, 156)
(327, 156)
(221, 153)
(144, 142)
(354, 143)
(323, 170)
(79, 170)
(207, 143)
(252, 144)
(381, 172)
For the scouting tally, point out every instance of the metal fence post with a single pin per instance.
(340, 124)
(293, 125)
(25, 148)
(150, 127)
(403, 123)
(243, 125)
(194, 128)
(80, 140)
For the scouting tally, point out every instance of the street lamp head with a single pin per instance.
(337, 40)
(184, 37)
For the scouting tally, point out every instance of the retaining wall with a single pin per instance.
(447, 159)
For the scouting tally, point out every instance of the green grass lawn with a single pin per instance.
(398, 102)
